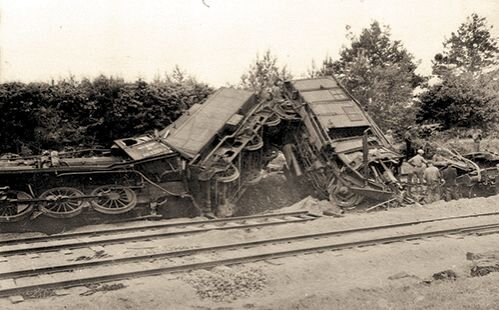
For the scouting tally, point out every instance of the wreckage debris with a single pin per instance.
(206, 159)
(483, 263)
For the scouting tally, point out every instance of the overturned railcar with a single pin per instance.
(337, 146)
(224, 143)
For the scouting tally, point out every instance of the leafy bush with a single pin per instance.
(72, 113)
(465, 101)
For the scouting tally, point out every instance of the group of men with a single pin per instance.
(439, 182)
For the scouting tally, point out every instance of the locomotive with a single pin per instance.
(61, 185)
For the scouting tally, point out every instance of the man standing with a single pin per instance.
(432, 178)
(477, 137)
(418, 164)
(449, 174)
(409, 139)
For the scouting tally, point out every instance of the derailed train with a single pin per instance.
(208, 156)
(211, 154)
(338, 146)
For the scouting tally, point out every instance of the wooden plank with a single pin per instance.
(483, 263)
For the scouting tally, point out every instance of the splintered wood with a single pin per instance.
(483, 263)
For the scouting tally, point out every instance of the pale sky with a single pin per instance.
(51, 39)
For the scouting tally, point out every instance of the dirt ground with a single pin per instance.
(391, 276)
(271, 193)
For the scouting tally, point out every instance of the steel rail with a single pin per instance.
(156, 225)
(117, 240)
(120, 239)
(238, 260)
(180, 253)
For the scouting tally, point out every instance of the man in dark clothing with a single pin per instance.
(449, 174)
(409, 139)
(476, 141)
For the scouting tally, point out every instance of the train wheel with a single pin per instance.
(14, 211)
(342, 195)
(61, 202)
(228, 175)
(273, 120)
(254, 144)
(113, 199)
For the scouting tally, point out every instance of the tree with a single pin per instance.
(391, 94)
(470, 49)
(464, 100)
(264, 75)
(380, 74)
(466, 95)
(375, 47)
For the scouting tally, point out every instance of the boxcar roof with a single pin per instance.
(203, 122)
(332, 105)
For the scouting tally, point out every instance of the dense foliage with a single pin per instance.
(380, 73)
(466, 95)
(461, 101)
(38, 116)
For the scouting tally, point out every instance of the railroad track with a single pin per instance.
(73, 240)
(111, 269)
(39, 244)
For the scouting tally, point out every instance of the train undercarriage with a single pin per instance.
(63, 185)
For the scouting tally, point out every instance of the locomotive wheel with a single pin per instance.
(254, 144)
(342, 195)
(15, 211)
(273, 120)
(228, 175)
(61, 202)
(113, 199)
(345, 198)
